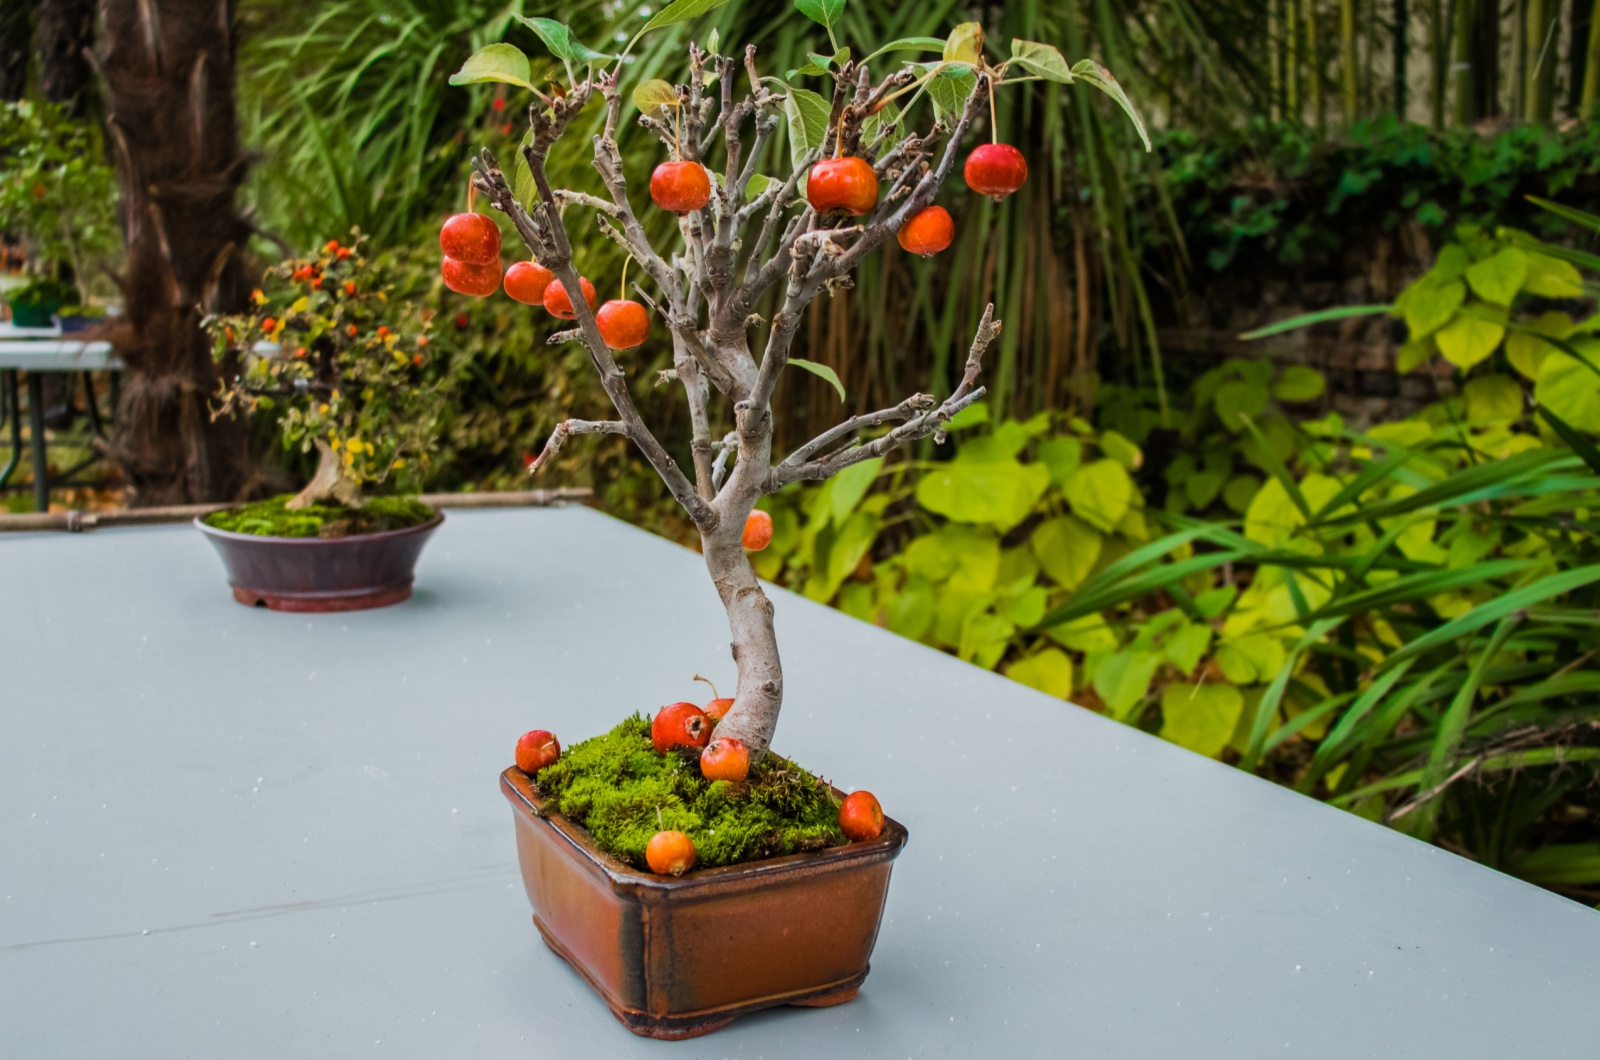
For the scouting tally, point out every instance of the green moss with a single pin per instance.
(615, 784)
(271, 518)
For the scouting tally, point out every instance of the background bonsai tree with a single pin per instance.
(747, 242)
(345, 369)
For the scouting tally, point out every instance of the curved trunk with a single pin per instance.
(754, 715)
(330, 485)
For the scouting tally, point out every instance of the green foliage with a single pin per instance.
(331, 357)
(623, 792)
(1274, 194)
(269, 518)
(56, 191)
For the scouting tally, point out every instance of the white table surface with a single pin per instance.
(228, 832)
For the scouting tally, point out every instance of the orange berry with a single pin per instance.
(349, 287)
(929, 232)
(383, 332)
(670, 853)
(725, 759)
(351, 331)
(757, 531)
(416, 359)
(536, 750)
(300, 351)
(343, 253)
(860, 816)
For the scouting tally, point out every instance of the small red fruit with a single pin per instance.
(860, 817)
(679, 725)
(461, 320)
(719, 706)
(471, 237)
(383, 331)
(268, 324)
(680, 186)
(526, 282)
(463, 277)
(842, 184)
(330, 247)
(670, 853)
(996, 170)
(557, 301)
(623, 324)
(416, 359)
(536, 750)
(757, 531)
(349, 287)
(928, 232)
(343, 253)
(725, 759)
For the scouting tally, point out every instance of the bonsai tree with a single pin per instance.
(753, 250)
(345, 370)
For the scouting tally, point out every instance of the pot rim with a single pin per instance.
(518, 786)
(381, 535)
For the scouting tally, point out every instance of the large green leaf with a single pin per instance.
(1427, 305)
(1468, 340)
(965, 44)
(1498, 278)
(1123, 679)
(1201, 717)
(1101, 78)
(680, 11)
(999, 493)
(1042, 60)
(821, 371)
(1050, 671)
(503, 63)
(1067, 549)
(949, 88)
(826, 13)
(1100, 493)
(559, 39)
(808, 123)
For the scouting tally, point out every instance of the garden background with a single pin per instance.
(1356, 558)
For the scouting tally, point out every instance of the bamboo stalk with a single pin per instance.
(1437, 45)
(1591, 69)
(75, 522)
(1402, 51)
(1314, 66)
(1291, 60)
(1348, 60)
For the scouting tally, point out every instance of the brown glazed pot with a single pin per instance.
(321, 574)
(678, 957)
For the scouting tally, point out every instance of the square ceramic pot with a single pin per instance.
(677, 957)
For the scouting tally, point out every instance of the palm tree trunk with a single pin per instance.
(63, 38)
(16, 37)
(168, 67)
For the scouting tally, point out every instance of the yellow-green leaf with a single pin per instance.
(1050, 671)
(1498, 278)
(1044, 60)
(1299, 382)
(1492, 399)
(503, 63)
(655, 97)
(1428, 306)
(1100, 493)
(1552, 278)
(1569, 388)
(965, 44)
(1467, 340)
(1200, 717)
(1066, 549)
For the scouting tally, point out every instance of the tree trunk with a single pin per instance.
(63, 38)
(754, 715)
(169, 83)
(16, 39)
(330, 485)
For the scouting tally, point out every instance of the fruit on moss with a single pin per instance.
(463, 277)
(537, 749)
(679, 725)
(669, 853)
(757, 531)
(996, 170)
(613, 785)
(680, 186)
(470, 237)
(559, 303)
(845, 184)
(623, 324)
(725, 759)
(526, 282)
(860, 816)
(928, 231)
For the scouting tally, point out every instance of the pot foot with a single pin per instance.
(317, 603)
(838, 997)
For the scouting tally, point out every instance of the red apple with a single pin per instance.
(860, 817)
(536, 750)
(463, 277)
(725, 759)
(526, 282)
(928, 231)
(996, 170)
(623, 324)
(559, 304)
(845, 184)
(679, 725)
(757, 531)
(470, 237)
(680, 186)
(670, 853)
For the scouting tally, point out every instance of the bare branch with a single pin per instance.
(921, 424)
(579, 198)
(552, 445)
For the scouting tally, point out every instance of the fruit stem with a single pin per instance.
(624, 293)
(677, 132)
(472, 195)
(707, 680)
(838, 136)
(994, 123)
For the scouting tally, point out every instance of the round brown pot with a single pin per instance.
(678, 957)
(321, 574)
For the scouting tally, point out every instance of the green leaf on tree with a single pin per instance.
(679, 11)
(908, 44)
(503, 63)
(822, 371)
(1101, 78)
(1042, 60)
(965, 44)
(949, 88)
(557, 36)
(808, 124)
(655, 97)
(826, 13)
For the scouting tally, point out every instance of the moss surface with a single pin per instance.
(614, 785)
(271, 519)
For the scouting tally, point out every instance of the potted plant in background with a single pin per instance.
(345, 371)
(35, 304)
(677, 862)
(60, 198)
